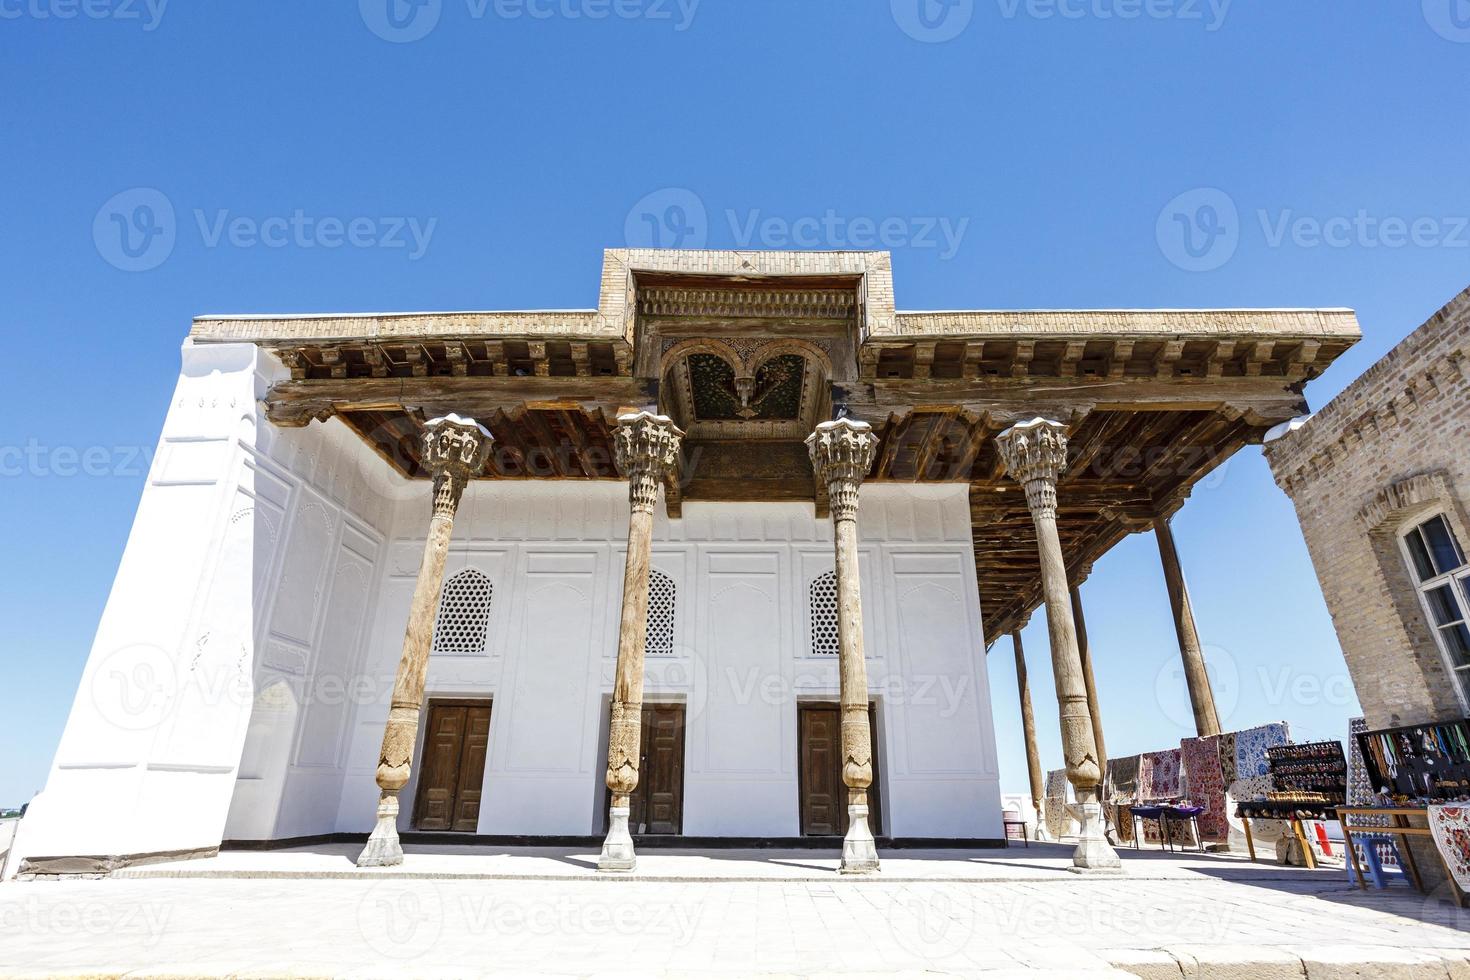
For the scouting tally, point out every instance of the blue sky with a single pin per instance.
(299, 145)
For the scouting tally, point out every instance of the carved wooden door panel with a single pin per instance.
(823, 802)
(660, 796)
(452, 767)
(657, 805)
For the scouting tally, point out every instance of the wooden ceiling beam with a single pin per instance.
(295, 403)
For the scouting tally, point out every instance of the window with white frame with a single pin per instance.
(464, 614)
(1438, 563)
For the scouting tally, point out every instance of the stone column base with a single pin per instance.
(383, 849)
(1094, 855)
(859, 850)
(617, 849)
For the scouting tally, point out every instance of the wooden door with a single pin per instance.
(452, 767)
(657, 805)
(823, 793)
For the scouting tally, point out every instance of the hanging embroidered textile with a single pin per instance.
(1163, 775)
(1251, 745)
(1204, 784)
(1227, 758)
(1449, 824)
(1122, 781)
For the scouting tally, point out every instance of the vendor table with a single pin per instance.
(1283, 810)
(1163, 813)
(1401, 829)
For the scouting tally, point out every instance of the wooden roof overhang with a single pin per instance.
(1155, 400)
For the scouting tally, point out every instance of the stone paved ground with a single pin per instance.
(1170, 917)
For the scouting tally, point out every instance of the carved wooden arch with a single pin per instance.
(791, 345)
(718, 348)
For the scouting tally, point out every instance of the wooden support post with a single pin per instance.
(647, 448)
(1028, 729)
(1035, 454)
(842, 452)
(455, 450)
(1201, 696)
(1084, 649)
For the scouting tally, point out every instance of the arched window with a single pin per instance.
(464, 614)
(823, 596)
(659, 638)
(1443, 578)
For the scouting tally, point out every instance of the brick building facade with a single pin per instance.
(1380, 478)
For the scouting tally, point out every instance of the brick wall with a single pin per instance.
(1393, 447)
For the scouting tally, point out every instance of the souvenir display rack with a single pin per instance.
(1419, 762)
(1310, 772)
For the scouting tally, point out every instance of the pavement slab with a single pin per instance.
(778, 913)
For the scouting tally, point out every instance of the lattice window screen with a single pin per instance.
(464, 614)
(661, 596)
(823, 595)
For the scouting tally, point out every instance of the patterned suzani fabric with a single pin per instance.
(1145, 776)
(1206, 784)
(1122, 782)
(1449, 824)
(1227, 758)
(1163, 770)
(1123, 822)
(1255, 788)
(1251, 746)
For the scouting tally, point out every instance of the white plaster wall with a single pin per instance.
(741, 664)
(240, 677)
(251, 558)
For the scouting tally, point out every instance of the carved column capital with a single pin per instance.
(647, 449)
(842, 452)
(1035, 454)
(455, 451)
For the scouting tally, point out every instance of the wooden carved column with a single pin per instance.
(1201, 695)
(647, 448)
(842, 453)
(455, 450)
(1094, 710)
(1028, 729)
(1035, 454)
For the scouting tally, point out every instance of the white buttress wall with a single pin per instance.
(741, 660)
(252, 562)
